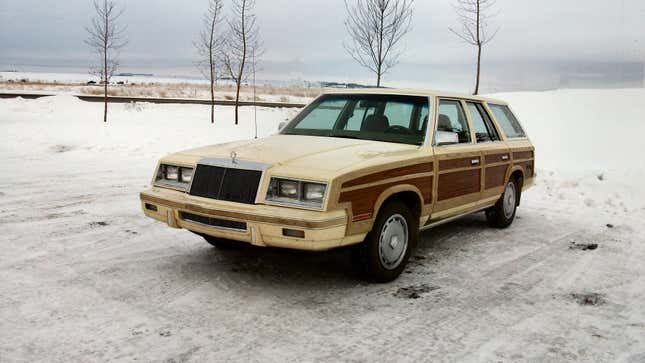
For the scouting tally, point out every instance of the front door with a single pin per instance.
(458, 165)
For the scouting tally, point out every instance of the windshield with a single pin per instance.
(389, 118)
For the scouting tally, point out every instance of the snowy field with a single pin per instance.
(155, 87)
(85, 277)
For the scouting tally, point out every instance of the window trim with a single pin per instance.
(462, 102)
(426, 138)
(506, 137)
(484, 109)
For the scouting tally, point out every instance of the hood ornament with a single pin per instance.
(233, 157)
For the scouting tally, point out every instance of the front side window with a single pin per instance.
(452, 125)
(507, 121)
(482, 124)
(389, 118)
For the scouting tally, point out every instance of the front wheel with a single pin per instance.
(502, 214)
(383, 255)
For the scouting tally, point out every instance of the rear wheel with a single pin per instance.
(502, 214)
(383, 255)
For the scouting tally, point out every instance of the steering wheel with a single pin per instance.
(397, 129)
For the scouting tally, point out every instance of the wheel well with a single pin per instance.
(518, 176)
(411, 199)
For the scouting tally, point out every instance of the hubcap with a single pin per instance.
(393, 242)
(509, 200)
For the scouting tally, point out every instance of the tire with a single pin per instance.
(502, 214)
(221, 243)
(375, 259)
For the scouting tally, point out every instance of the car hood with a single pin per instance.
(306, 152)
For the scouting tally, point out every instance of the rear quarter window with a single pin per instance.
(507, 121)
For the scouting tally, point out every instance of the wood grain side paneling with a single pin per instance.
(495, 176)
(363, 199)
(458, 163)
(528, 167)
(523, 155)
(496, 158)
(392, 173)
(460, 183)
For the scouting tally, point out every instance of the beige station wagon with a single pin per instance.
(363, 168)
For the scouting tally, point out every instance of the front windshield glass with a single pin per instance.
(389, 118)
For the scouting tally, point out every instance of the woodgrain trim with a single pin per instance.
(459, 163)
(497, 158)
(496, 176)
(522, 155)
(528, 167)
(452, 185)
(242, 216)
(391, 173)
(363, 199)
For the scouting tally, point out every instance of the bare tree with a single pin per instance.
(474, 16)
(243, 35)
(376, 28)
(209, 47)
(106, 38)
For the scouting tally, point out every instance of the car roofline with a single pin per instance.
(411, 92)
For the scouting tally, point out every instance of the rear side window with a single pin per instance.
(482, 124)
(507, 121)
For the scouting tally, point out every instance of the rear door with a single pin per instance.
(495, 154)
(458, 163)
(520, 147)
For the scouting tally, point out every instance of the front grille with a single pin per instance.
(215, 222)
(228, 184)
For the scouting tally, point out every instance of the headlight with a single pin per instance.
(288, 189)
(186, 175)
(178, 177)
(296, 192)
(172, 172)
(314, 192)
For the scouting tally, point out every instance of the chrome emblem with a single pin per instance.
(233, 157)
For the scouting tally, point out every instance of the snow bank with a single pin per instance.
(588, 146)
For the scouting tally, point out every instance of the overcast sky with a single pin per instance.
(304, 38)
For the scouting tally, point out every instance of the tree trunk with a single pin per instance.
(212, 87)
(105, 64)
(242, 63)
(479, 47)
(479, 62)
(237, 99)
(380, 49)
(211, 64)
(212, 102)
(105, 102)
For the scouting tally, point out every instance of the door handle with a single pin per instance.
(504, 157)
(474, 161)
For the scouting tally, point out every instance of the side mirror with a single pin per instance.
(446, 138)
(281, 125)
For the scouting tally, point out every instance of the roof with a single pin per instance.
(411, 92)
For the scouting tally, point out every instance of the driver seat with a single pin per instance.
(375, 123)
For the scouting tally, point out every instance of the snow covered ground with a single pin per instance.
(85, 277)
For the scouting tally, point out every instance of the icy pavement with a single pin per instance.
(85, 277)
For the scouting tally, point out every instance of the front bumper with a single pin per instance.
(265, 225)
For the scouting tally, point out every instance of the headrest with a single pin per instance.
(444, 123)
(375, 123)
